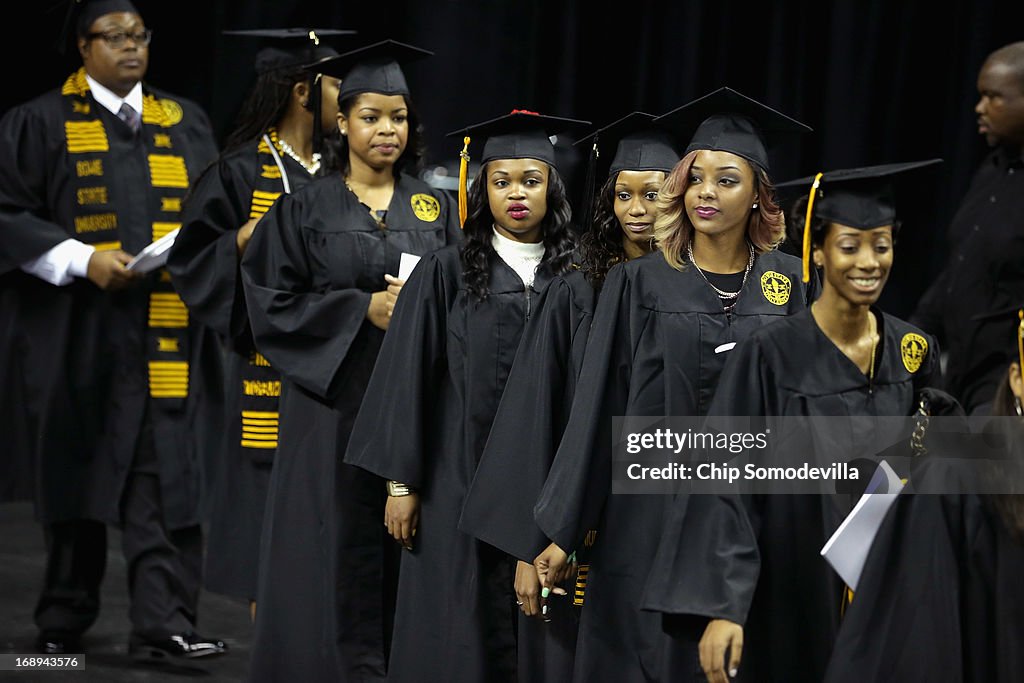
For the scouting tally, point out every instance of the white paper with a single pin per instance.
(849, 546)
(154, 255)
(406, 265)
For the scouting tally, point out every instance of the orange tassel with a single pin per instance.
(807, 228)
(463, 172)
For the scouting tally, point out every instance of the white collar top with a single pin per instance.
(520, 256)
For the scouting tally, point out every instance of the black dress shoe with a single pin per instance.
(181, 645)
(56, 643)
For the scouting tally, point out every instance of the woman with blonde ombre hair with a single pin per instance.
(661, 333)
(674, 232)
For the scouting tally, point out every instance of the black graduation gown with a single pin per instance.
(17, 467)
(940, 596)
(789, 369)
(203, 263)
(83, 362)
(308, 274)
(428, 412)
(651, 352)
(515, 461)
(522, 442)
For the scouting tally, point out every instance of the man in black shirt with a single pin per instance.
(985, 272)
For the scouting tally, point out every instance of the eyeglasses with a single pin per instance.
(118, 39)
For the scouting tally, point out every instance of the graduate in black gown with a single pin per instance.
(840, 358)
(270, 152)
(514, 464)
(315, 278)
(434, 393)
(112, 368)
(939, 598)
(661, 332)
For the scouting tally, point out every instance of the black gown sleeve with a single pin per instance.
(204, 259)
(391, 434)
(527, 429)
(26, 231)
(579, 480)
(304, 333)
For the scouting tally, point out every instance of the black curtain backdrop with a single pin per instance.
(878, 80)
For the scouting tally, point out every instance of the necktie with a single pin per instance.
(129, 116)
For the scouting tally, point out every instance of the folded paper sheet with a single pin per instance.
(849, 546)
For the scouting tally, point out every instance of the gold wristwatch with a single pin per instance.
(396, 489)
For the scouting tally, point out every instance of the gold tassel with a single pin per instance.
(807, 228)
(1020, 342)
(463, 172)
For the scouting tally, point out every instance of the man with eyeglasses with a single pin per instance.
(109, 362)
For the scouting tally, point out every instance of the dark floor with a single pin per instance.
(106, 643)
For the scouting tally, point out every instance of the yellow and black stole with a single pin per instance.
(261, 384)
(96, 220)
(583, 569)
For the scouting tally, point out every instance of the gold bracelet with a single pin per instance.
(397, 489)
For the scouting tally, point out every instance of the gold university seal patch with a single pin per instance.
(913, 348)
(776, 287)
(172, 112)
(425, 207)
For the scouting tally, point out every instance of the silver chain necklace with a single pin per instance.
(311, 167)
(722, 294)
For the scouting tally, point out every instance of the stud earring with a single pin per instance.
(754, 206)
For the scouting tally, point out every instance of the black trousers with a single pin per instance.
(164, 566)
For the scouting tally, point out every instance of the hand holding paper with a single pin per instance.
(153, 256)
(405, 268)
(406, 265)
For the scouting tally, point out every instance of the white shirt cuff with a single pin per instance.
(62, 263)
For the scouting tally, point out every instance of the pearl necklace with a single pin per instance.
(311, 167)
(723, 294)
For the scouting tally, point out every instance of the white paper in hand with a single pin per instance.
(154, 255)
(406, 265)
(849, 546)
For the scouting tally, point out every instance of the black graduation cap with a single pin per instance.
(727, 121)
(639, 144)
(859, 197)
(82, 13)
(290, 47)
(862, 198)
(373, 68)
(520, 134)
